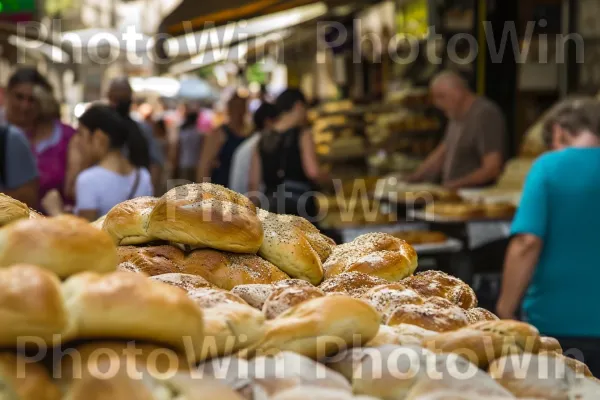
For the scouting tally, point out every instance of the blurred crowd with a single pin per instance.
(123, 148)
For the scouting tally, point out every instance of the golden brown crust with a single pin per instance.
(65, 245)
(435, 314)
(282, 299)
(28, 380)
(124, 305)
(127, 222)
(230, 328)
(526, 337)
(186, 282)
(550, 345)
(209, 298)
(386, 298)
(319, 327)
(31, 304)
(479, 315)
(207, 215)
(153, 260)
(354, 284)
(256, 295)
(12, 210)
(480, 348)
(440, 284)
(99, 223)
(294, 245)
(228, 270)
(377, 254)
(90, 355)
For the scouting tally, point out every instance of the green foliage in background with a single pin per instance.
(255, 73)
(205, 72)
(56, 6)
(17, 6)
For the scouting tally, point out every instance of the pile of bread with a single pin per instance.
(199, 295)
(470, 210)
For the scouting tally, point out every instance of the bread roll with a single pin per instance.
(294, 245)
(527, 375)
(320, 327)
(480, 348)
(400, 335)
(386, 298)
(20, 379)
(120, 385)
(456, 210)
(127, 222)
(99, 223)
(228, 270)
(440, 284)
(390, 372)
(256, 295)
(187, 282)
(209, 298)
(584, 389)
(526, 337)
(12, 210)
(479, 315)
(65, 245)
(376, 254)
(462, 384)
(353, 284)
(550, 345)
(31, 304)
(207, 215)
(125, 305)
(77, 361)
(283, 299)
(229, 328)
(316, 393)
(153, 260)
(435, 314)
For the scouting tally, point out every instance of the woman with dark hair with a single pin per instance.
(119, 156)
(219, 146)
(21, 105)
(286, 160)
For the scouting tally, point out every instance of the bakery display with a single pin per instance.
(376, 254)
(262, 320)
(207, 215)
(65, 245)
(455, 210)
(127, 222)
(294, 245)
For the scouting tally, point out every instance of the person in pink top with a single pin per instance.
(54, 144)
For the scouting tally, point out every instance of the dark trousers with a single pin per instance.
(586, 350)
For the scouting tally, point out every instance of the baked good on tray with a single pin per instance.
(458, 210)
(421, 237)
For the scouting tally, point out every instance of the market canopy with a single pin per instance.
(195, 14)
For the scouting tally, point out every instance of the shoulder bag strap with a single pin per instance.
(3, 140)
(135, 186)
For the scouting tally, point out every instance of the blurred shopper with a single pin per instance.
(472, 152)
(120, 96)
(20, 102)
(18, 170)
(264, 118)
(115, 177)
(218, 148)
(563, 125)
(552, 260)
(286, 160)
(58, 153)
(189, 144)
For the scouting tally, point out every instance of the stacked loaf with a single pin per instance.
(266, 305)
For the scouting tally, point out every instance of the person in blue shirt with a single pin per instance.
(552, 263)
